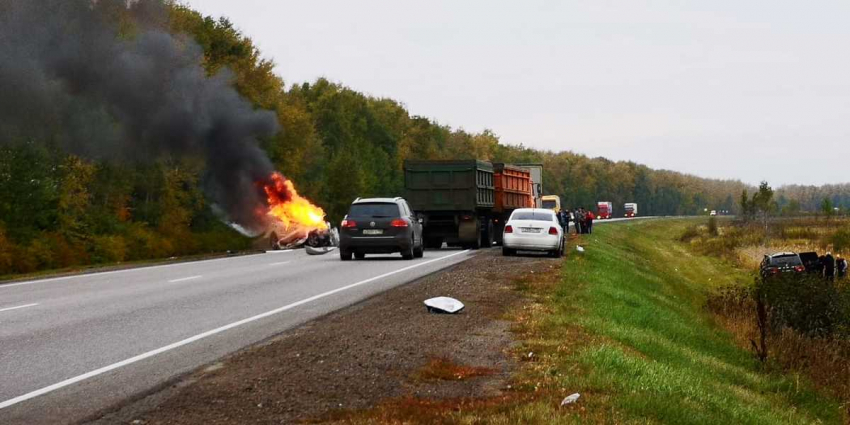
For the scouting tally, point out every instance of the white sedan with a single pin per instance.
(533, 229)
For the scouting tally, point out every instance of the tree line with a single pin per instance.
(58, 210)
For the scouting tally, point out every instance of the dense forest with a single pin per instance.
(59, 209)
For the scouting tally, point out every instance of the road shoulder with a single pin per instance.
(387, 347)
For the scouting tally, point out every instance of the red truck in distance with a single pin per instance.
(604, 210)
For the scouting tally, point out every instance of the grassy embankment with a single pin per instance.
(625, 325)
(644, 348)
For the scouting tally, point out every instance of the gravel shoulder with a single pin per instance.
(386, 347)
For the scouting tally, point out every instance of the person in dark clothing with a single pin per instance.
(579, 221)
(564, 221)
(829, 266)
(582, 216)
(576, 221)
(841, 267)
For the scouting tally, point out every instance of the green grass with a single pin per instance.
(657, 352)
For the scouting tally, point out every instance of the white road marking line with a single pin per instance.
(279, 251)
(15, 308)
(134, 269)
(183, 279)
(280, 263)
(143, 356)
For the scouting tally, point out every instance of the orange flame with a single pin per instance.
(292, 209)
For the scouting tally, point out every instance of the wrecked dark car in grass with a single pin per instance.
(781, 264)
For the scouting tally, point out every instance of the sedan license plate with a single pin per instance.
(373, 232)
(530, 230)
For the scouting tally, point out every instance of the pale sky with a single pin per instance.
(743, 89)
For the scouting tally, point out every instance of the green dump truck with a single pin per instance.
(465, 202)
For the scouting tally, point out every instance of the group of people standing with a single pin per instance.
(831, 267)
(582, 220)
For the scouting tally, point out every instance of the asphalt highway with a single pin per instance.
(73, 346)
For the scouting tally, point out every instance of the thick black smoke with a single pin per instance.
(104, 80)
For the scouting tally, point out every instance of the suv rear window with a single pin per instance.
(528, 215)
(786, 260)
(374, 210)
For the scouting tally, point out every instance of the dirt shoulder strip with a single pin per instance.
(383, 348)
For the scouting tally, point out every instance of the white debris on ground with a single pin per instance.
(443, 305)
(579, 248)
(570, 399)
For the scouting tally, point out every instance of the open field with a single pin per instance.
(808, 332)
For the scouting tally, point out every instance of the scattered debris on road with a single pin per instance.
(319, 250)
(443, 305)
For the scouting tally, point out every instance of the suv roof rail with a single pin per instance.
(358, 198)
(398, 198)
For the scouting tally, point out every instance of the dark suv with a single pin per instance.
(380, 226)
(782, 263)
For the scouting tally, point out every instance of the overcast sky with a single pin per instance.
(748, 90)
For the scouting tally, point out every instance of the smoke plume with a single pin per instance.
(103, 79)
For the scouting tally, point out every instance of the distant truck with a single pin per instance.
(551, 202)
(465, 203)
(604, 210)
(631, 209)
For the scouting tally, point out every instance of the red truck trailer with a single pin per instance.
(604, 210)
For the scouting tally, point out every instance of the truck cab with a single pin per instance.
(551, 202)
(630, 209)
(604, 210)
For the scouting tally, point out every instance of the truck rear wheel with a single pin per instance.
(469, 233)
(489, 234)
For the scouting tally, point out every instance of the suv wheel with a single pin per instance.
(344, 254)
(359, 255)
(408, 253)
(420, 251)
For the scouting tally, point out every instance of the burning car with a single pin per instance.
(293, 221)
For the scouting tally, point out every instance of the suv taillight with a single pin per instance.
(799, 268)
(398, 223)
(349, 224)
(509, 229)
(553, 231)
